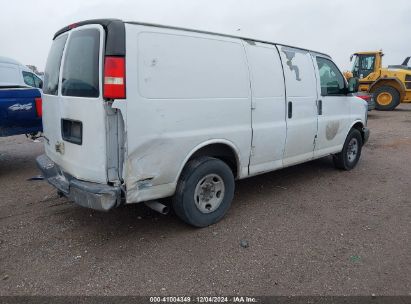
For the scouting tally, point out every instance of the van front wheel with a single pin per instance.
(204, 192)
(348, 158)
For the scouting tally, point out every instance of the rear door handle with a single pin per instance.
(320, 107)
(290, 110)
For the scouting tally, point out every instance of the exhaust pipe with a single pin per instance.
(157, 206)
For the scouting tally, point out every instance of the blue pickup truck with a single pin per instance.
(20, 99)
(20, 111)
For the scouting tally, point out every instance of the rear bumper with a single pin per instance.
(90, 195)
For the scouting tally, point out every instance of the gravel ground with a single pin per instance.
(311, 230)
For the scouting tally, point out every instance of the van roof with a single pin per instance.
(107, 22)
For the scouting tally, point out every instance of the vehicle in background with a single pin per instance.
(20, 100)
(369, 98)
(36, 71)
(144, 112)
(15, 74)
(352, 86)
(389, 86)
(20, 112)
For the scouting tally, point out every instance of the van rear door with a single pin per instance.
(74, 115)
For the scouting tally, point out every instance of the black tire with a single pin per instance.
(184, 202)
(345, 160)
(386, 91)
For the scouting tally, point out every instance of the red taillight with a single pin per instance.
(367, 98)
(114, 78)
(39, 106)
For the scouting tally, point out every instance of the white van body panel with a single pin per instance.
(183, 90)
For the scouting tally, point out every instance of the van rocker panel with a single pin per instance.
(89, 195)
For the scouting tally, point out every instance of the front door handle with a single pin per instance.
(290, 110)
(320, 107)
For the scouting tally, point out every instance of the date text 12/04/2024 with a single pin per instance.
(236, 299)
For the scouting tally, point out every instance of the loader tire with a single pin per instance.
(386, 98)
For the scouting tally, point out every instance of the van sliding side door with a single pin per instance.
(268, 111)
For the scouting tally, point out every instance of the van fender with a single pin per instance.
(208, 143)
(357, 121)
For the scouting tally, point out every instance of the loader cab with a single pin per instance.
(364, 65)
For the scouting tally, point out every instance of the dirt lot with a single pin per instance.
(312, 230)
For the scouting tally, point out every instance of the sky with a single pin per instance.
(336, 27)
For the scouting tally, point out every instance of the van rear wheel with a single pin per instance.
(348, 158)
(204, 192)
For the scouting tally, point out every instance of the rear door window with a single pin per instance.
(81, 64)
(52, 71)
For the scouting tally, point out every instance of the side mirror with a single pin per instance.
(41, 84)
(353, 85)
(348, 91)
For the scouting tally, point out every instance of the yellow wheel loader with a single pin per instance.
(390, 86)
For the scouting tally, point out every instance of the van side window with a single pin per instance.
(81, 64)
(29, 79)
(332, 81)
(52, 71)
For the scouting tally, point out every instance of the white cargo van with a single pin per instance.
(138, 112)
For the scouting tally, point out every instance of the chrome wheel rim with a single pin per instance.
(352, 150)
(209, 193)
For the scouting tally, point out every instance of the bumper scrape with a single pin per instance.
(90, 195)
